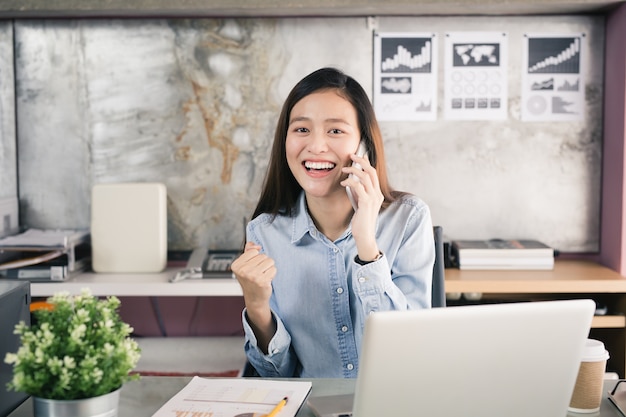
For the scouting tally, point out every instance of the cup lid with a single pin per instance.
(594, 351)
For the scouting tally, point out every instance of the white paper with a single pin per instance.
(552, 77)
(476, 76)
(405, 76)
(235, 397)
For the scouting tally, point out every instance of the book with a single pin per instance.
(59, 268)
(503, 254)
(52, 255)
(236, 397)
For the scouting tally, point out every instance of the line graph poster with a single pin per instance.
(552, 78)
(405, 76)
(475, 71)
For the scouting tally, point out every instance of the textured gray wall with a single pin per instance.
(193, 104)
(8, 167)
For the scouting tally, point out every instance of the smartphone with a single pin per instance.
(361, 151)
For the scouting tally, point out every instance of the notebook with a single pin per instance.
(513, 359)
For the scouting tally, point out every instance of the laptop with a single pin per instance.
(512, 359)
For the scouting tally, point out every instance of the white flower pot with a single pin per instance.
(102, 406)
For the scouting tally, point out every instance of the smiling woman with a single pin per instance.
(315, 266)
(322, 133)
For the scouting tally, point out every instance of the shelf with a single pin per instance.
(580, 277)
(126, 284)
(568, 276)
(608, 322)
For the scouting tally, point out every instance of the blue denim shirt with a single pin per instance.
(321, 296)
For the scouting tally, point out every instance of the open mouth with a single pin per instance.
(318, 166)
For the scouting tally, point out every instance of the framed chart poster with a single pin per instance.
(405, 76)
(552, 78)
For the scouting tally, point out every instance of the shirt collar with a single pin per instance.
(303, 223)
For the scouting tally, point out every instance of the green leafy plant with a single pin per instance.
(77, 348)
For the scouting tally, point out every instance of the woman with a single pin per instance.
(314, 267)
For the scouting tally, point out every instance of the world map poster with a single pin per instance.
(475, 70)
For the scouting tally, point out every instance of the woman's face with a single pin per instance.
(322, 133)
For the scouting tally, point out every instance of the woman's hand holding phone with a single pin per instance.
(363, 187)
(361, 152)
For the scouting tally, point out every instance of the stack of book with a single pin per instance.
(503, 254)
(45, 255)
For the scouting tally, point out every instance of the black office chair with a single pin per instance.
(438, 297)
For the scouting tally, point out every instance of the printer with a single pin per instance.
(14, 307)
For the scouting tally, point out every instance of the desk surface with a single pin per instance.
(144, 397)
(568, 276)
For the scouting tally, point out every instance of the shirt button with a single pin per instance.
(275, 351)
(361, 280)
(335, 250)
(339, 290)
(371, 311)
(350, 367)
(344, 328)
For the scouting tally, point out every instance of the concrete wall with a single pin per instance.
(193, 103)
(8, 154)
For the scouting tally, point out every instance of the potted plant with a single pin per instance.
(76, 350)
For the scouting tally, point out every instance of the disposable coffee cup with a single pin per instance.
(587, 393)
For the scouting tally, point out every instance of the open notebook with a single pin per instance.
(514, 360)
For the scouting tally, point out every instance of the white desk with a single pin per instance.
(144, 397)
(141, 285)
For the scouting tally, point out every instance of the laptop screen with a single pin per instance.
(516, 359)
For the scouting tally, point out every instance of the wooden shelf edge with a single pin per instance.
(608, 322)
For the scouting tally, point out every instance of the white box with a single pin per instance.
(129, 227)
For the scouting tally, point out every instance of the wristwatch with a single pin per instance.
(360, 262)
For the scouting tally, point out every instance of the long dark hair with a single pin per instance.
(280, 188)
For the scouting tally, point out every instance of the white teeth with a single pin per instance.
(319, 165)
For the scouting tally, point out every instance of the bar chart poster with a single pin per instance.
(405, 76)
(552, 78)
(475, 71)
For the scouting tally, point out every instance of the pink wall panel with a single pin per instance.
(613, 234)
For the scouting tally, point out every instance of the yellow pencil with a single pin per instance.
(278, 407)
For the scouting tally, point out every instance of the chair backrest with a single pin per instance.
(439, 283)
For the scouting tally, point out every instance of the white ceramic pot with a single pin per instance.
(102, 406)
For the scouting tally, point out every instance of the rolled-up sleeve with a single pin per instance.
(279, 360)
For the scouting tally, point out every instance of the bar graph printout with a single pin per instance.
(475, 86)
(235, 397)
(553, 86)
(405, 76)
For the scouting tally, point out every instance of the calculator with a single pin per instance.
(219, 260)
